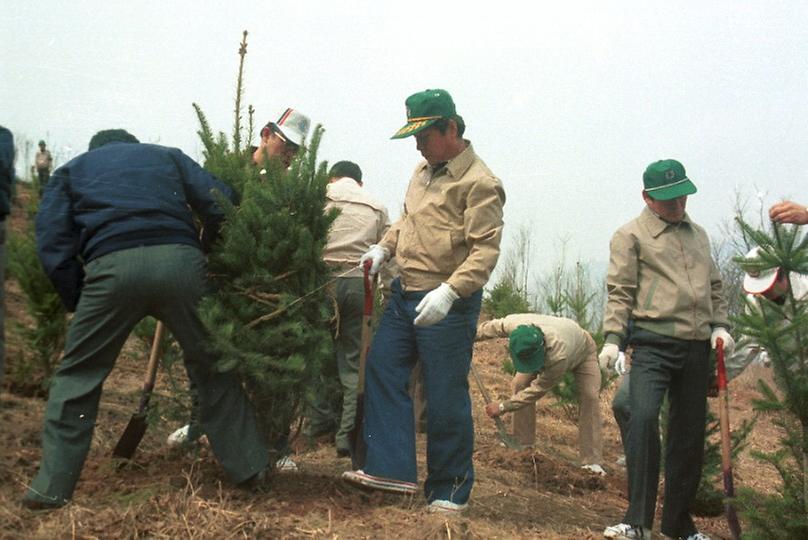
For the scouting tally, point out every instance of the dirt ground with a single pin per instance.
(164, 493)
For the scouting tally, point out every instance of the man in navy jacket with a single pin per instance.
(116, 236)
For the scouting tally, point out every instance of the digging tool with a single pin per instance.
(726, 442)
(136, 427)
(502, 433)
(356, 439)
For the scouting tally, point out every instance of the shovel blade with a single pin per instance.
(131, 437)
(356, 441)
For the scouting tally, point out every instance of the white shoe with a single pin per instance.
(446, 507)
(179, 437)
(624, 531)
(595, 468)
(286, 464)
(698, 536)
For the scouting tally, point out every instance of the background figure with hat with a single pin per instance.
(362, 222)
(662, 277)
(280, 141)
(6, 181)
(116, 234)
(789, 212)
(43, 161)
(446, 244)
(543, 348)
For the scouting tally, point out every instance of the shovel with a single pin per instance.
(726, 442)
(356, 440)
(137, 424)
(502, 433)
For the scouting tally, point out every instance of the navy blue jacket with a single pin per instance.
(6, 171)
(119, 196)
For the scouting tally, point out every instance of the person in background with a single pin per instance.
(116, 235)
(43, 161)
(662, 278)
(362, 222)
(543, 349)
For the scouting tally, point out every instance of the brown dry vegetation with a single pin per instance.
(538, 493)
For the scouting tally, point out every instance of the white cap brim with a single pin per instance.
(760, 284)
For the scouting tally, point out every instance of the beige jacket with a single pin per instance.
(451, 226)
(663, 276)
(43, 160)
(362, 221)
(566, 345)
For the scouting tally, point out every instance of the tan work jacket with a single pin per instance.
(451, 226)
(566, 345)
(43, 160)
(362, 221)
(663, 276)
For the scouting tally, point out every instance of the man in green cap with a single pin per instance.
(446, 244)
(663, 279)
(543, 348)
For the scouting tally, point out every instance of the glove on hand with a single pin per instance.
(608, 356)
(377, 255)
(435, 305)
(720, 332)
(620, 364)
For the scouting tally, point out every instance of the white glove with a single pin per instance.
(721, 332)
(435, 305)
(377, 255)
(620, 364)
(608, 356)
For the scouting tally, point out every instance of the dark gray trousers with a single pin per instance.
(679, 368)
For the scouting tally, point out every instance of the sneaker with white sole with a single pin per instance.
(366, 481)
(440, 506)
(594, 468)
(624, 531)
(286, 464)
(696, 536)
(186, 436)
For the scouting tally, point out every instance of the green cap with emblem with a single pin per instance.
(526, 346)
(424, 109)
(666, 179)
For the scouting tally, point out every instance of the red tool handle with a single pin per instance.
(368, 289)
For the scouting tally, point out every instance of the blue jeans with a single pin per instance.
(445, 351)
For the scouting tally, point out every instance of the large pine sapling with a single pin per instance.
(781, 329)
(269, 317)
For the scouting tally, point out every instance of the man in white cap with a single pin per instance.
(283, 138)
(280, 140)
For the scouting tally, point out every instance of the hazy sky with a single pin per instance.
(566, 102)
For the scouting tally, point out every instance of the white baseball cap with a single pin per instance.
(758, 282)
(293, 125)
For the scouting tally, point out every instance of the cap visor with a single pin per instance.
(760, 284)
(678, 190)
(413, 127)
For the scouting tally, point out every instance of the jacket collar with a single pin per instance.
(455, 167)
(655, 224)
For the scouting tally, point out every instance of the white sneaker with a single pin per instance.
(286, 464)
(624, 531)
(698, 536)
(179, 437)
(446, 507)
(595, 468)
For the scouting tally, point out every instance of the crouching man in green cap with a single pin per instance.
(543, 349)
(662, 277)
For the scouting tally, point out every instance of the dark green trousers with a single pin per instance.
(350, 295)
(679, 368)
(121, 288)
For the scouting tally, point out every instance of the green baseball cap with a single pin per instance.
(527, 349)
(666, 179)
(424, 109)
